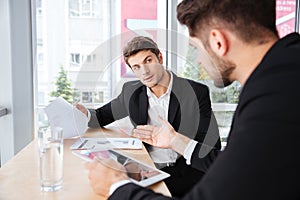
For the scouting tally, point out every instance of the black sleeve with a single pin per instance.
(208, 131)
(202, 160)
(112, 111)
(134, 192)
(93, 123)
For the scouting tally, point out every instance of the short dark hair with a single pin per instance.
(137, 44)
(248, 19)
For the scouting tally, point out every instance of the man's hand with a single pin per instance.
(82, 109)
(103, 173)
(163, 136)
(159, 136)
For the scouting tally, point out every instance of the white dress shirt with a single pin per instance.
(160, 107)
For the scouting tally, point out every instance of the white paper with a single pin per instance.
(63, 114)
(107, 143)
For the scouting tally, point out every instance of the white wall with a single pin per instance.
(16, 82)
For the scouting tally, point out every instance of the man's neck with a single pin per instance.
(248, 60)
(162, 87)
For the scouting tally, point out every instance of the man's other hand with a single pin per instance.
(82, 109)
(103, 173)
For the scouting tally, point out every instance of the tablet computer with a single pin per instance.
(139, 173)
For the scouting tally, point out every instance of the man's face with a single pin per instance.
(217, 68)
(147, 67)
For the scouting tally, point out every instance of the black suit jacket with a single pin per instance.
(188, 100)
(261, 160)
(189, 113)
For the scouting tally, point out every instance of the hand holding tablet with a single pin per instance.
(137, 171)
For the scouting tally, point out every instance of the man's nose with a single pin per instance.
(145, 69)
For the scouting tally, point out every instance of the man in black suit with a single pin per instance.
(261, 160)
(159, 92)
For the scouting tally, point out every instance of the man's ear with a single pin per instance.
(218, 42)
(160, 58)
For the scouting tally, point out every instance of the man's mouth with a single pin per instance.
(148, 79)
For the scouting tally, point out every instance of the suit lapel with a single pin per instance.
(143, 106)
(173, 104)
(173, 108)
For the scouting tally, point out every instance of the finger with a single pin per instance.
(141, 135)
(144, 132)
(80, 107)
(145, 127)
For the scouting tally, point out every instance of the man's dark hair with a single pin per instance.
(137, 44)
(248, 19)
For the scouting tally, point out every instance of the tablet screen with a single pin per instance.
(138, 172)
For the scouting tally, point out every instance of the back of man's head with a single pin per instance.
(248, 19)
(137, 44)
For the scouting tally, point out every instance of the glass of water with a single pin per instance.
(50, 142)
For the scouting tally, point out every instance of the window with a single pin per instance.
(98, 97)
(285, 16)
(75, 58)
(39, 9)
(89, 59)
(87, 97)
(74, 8)
(89, 47)
(84, 8)
(40, 54)
(84, 44)
(40, 58)
(78, 59)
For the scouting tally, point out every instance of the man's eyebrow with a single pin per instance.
(135, 65)
(138, 65)
(149, 56)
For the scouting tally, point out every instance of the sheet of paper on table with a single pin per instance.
(107, 143)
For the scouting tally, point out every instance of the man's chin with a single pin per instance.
(149, 85)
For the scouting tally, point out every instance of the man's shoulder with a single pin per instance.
(132, 84)
(193, 83)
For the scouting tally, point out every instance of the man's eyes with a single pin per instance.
(149, 60)
(134, 68)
